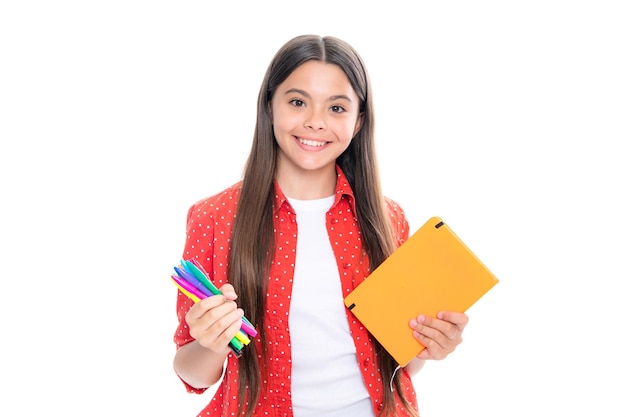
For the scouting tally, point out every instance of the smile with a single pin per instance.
(309, 142)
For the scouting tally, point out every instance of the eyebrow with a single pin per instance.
(304, 93)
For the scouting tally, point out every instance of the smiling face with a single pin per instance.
(315, 115)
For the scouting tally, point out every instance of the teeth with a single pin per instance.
(311, 142)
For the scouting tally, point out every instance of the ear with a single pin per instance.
(358, 124)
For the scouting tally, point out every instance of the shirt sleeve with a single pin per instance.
(398, 221)
(198, 245)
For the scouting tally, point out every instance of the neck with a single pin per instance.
(308, 185)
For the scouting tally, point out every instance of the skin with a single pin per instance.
(315, 115)
(440, 335)
(213, 322)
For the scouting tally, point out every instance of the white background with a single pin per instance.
(506, 119)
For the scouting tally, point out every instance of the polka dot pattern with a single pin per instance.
(209, 224)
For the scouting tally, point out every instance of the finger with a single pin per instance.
(433, 350)
(437, 343)
(432, 327)
(216, 334)
(228, 291)
(200, 308)
(225, 328)
(425, 355)
(457, 318)
(216, 311)
(438, 336)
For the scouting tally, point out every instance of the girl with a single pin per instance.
(307, 223)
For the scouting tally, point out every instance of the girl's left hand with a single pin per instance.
(439, 335)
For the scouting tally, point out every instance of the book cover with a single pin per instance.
(432, 271)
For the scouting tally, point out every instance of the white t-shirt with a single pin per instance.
(326, 380)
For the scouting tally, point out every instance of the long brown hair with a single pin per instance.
(252, 238)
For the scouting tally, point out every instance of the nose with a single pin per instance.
(315, 120)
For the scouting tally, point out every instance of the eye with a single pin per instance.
(297, 102)
(337, 109)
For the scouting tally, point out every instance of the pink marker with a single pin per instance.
(188, 287)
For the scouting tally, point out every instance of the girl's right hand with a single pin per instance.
(215, 320)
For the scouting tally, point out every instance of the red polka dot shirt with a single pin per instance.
(209, 224)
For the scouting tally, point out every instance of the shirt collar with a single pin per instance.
(342, 188)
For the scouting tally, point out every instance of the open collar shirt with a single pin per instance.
(209, 226)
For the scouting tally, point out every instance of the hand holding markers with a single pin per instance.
(193, 281)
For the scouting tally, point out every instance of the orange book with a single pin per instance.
(432, 271)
